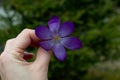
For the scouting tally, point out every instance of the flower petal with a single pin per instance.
(72, 43)
(66, 29)
(47, 45)
(54, 24)
(43, 32)
(59, 52)
(54, 16)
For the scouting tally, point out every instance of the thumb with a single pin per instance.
(42, 58)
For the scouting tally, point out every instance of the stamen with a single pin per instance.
(57, 38)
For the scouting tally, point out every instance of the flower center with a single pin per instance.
(57, 38)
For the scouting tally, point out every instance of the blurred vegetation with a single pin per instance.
(97, 24)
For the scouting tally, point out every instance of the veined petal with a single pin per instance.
(54, 24)
(66, 29)
(59, 51)
(43, 32)
(72, 43)
(47, 45)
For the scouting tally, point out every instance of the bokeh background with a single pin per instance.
(97, 24)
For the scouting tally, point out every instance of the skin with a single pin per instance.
(13, 64)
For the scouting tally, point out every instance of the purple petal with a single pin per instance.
(47, 45)
(59, 52)
(54, 24)
(54, 17)
(66, 29)
(72, 43)
(43, 32)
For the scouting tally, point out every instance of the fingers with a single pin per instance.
(17, 45)
(43, 57)
(25, 38)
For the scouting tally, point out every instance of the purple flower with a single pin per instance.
(57, 37)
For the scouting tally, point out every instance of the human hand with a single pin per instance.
(13, 65)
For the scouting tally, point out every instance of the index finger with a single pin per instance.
(25, 38)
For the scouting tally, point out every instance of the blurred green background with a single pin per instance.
(97, 24)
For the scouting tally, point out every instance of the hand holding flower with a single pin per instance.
(57, 37)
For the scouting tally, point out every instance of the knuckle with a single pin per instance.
(9, 41)
(26, 30)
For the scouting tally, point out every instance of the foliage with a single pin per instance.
(108, 70)
(97, 24)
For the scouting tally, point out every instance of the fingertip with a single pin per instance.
(28, 56)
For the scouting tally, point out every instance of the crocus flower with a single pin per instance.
(56, 37)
